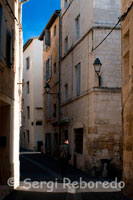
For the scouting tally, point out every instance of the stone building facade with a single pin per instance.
(91, 115)
(10, 88)
(32, 103)
(127, 93)
(50, 38)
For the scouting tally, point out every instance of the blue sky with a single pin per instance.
(36, 14)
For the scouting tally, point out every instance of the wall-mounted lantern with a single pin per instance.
(97, 67)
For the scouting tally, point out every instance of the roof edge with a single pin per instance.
(50, 22)
(29, 41)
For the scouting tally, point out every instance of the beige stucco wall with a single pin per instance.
(127, 95)
(97, 110)
(34, 99)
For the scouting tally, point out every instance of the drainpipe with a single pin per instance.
(60, 55)
(20, 48)
(59, 89)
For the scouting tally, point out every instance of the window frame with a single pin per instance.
(77, 27)
(28, 63)
(66, 45)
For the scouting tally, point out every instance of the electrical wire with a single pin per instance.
(119, 20)
(11, 11)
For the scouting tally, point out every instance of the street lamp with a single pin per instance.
(47, 88)
(97, 67)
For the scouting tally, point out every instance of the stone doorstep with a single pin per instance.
(4, 191)
(61, 188)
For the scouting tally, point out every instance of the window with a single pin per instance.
(47, 37)
(55, 110)
(28, 87)
(55, 68)
(65, 4)
(8, 48)
(23, 83)
(39, 123)
(23, 102)
(77, 27)
(3, 34)
(27, 63)
(66, 45)
(79, 140)
(24, 136)
(66, 92)
(28, 112)
(48, 107)
(48, 69)
(55, 30)
(28, 136)
(23, 120)
(66, 134)
(78, 79)
(126, 68)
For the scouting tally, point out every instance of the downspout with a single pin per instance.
(60, 56)
(20, 49)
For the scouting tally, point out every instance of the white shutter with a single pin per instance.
(50, 67)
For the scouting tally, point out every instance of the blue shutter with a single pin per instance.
(46, 68)
(50, 67)
(48, 106)
(12, 45)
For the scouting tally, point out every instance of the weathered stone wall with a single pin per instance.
(127, 95)
(97, 111)
(52, 50)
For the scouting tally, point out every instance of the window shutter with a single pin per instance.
(12, 46)
(79, 26)
(3, 36)
(50, 67)
(45, 75)
(47, 37)
(48, 106)
(78, 78)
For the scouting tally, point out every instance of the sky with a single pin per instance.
(36, 14)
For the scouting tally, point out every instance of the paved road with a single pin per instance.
(39, 168)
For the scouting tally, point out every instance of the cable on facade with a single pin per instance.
(11, 11)
(119, 20)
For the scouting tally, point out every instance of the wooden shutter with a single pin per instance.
(2, 35)
(50, 67)
(47, 37)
